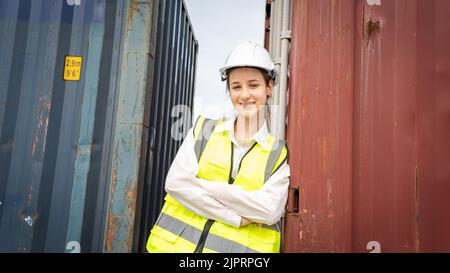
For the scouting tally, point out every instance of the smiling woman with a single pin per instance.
(227, 187)
(250, 75)
(219, 26)
(249, 91)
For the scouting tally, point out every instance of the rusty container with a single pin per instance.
(369, 126)
(86, 89)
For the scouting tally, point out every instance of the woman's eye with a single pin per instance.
(254, 86)
(235, 87)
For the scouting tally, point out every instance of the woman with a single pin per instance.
(227, 186)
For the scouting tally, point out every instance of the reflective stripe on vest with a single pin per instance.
(202, 136)
(213, 151)
(192, 234)
(273, 157)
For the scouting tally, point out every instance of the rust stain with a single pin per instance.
(373, 28)
(40, 132)
(130, 199)
(111, 216)
(121, 223)
(131, 195)
(112, 219)
(39, 140)
(133, 8)
(30, 192)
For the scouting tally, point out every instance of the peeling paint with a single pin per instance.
(40, 133)
(131, 194)
(110, 232)
(133, 9)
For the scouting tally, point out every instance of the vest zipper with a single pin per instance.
(202, 240)
(240, 162)
(209, 223)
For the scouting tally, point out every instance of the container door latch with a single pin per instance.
(293, 200)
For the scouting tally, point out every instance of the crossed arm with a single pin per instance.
(226, 203)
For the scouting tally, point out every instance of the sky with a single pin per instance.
(219, 26)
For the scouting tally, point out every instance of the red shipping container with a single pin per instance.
(369, 126)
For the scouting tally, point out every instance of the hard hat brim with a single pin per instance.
(224, 70)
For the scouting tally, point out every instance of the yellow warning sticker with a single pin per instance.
(72, 68)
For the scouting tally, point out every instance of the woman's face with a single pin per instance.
(248, 91)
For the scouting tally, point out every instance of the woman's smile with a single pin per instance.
(246, 104)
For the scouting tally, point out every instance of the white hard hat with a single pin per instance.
(249, 54)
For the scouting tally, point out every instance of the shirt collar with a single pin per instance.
(261, 137)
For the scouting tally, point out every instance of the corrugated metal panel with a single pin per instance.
(402, 110)
(98, 175)
(73, 154)
(171, 104)
(368, 126)
(129, 128)
(45, 152)
(319, 131)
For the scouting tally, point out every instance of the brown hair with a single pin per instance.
(263, 72)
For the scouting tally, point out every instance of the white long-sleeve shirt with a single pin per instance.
(221, 201)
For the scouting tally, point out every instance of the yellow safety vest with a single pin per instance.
(178, 229)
